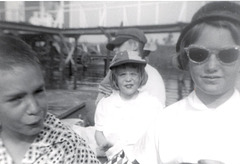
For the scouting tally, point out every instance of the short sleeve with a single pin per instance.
(100, 116)
(105, 83)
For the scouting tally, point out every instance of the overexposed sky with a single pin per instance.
(129, 13)
(84, 14)
(151, 13)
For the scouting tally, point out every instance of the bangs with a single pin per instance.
(126, 66)
(139, 67)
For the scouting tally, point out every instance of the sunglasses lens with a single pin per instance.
(197, 54)
(228, 55)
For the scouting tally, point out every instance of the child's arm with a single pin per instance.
(104, 89)
(105, 86)
(102, 141)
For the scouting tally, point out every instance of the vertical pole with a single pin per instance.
(107, 60)
(70, 70)
(61, 70)
(75, 63)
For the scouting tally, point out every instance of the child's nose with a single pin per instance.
(128, 77)
(33, 106)
(212, 63)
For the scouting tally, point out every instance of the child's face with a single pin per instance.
(128, 80)
(23, 104)
(214, 77)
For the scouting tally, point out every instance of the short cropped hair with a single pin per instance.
(140, 68)
(15, 52)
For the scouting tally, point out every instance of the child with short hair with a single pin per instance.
(123, 117)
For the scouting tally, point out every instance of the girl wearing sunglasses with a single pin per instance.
(205, 126)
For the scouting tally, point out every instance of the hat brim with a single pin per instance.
(117, 42)
(127, 62)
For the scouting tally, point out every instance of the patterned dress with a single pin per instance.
(55, 144)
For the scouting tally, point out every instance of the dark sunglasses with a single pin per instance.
(199, 55)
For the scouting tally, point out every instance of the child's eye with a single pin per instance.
(122, 74)
(17, 98)
(134, 74)
(39, 91)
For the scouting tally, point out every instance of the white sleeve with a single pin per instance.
(100, 116)
(155, 84)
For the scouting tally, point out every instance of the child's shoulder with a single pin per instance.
(144, 96)
(112, 98)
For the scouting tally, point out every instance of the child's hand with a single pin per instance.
(105, 90)
(106, 146)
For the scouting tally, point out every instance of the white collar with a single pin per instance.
(197, 104)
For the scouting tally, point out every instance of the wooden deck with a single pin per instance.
(63, 103)
(62, 112)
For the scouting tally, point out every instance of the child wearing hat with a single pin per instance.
(123, 117)
(133, 39)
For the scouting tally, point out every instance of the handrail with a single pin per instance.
(24, 28)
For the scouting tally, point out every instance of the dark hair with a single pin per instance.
(193, 34)
(15, 52)
(140, 68)
(222, 14)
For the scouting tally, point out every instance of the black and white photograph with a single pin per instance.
(119, 82)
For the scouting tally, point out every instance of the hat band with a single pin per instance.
(204, 19)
